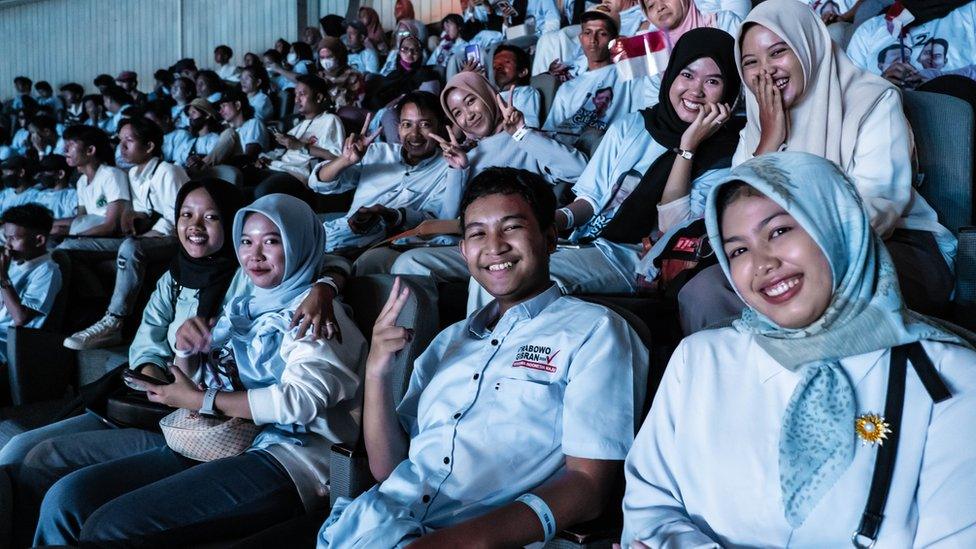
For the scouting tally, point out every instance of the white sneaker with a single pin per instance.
(104, 333)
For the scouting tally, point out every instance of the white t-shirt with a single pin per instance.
(108, 185)
(154, 188)
(252, 131)
(528, 101)
(943, 44)
(324, 131)
(263, 110)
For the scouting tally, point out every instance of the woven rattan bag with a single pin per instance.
(206, 438)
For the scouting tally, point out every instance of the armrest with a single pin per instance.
(349, 473)
(964, 302)
(39, 366)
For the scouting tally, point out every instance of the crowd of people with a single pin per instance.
(770, 142)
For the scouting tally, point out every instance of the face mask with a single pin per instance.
(291, 58)
(328, 63)
(47, 180)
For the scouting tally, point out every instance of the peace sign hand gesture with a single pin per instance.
(455, 156)
(388, 338)
(356, 143)
(512, 119)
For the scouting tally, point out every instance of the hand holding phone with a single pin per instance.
(135, 375)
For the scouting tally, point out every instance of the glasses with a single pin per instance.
(415, 51)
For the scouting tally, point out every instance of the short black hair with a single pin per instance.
(73, 87)
(302, 50)
(226, 49)
(117, 94)
(96, 97)
(213, 80)
(274, 54)
(103, 80)
(317, 85)
(332, 24)
(44, 85)
(424, 101)
(453, 18)
(45, 122)
(235, 95)
(31, 216)
(163, 76)
(522, 61)
(23, 81)
(146, 131)
(535, 190)
(258, 72)
(90, 136)
(160, 109)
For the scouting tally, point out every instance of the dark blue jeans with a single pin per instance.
(160, 498)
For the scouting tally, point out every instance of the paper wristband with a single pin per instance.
(543, 512)
(570, 217)
(521, 133)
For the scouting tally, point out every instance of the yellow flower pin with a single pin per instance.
(872, 429)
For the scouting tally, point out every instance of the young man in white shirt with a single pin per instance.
(103, 190)
(498, 425)
(510, 66)
(594, 96)
(71, 97)
(225, 70)
(239, 114)
(147, 224)
(29, 279)
(319, 136)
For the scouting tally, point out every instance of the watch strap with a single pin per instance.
(209, 397)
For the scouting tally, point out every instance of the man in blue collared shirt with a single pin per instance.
(514, 401)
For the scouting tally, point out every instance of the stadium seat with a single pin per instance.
(547, 85)
(226, 173)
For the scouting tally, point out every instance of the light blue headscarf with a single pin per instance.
(865, 314)
(249, 325)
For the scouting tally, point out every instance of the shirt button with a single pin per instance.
(447, 460)
(426, 499)
(457, 415)
(494, 342)
(476, 376)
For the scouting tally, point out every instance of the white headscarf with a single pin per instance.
(837, 96)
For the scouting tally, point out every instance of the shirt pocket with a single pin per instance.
(524, 415)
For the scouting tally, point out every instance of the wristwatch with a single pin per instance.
(209, 397)
(687, 155)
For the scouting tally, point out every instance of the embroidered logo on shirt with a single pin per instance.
(101, 202)
(535, 357)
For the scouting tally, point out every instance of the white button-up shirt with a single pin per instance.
(427, 190)
(704, 470)
(154, 189)
(492, 414)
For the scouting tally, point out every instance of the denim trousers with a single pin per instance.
(162, 499)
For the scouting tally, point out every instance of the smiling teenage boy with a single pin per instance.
(497, 426)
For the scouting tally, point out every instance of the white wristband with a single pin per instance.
(570, 217)
(542, 510)
(209, 397)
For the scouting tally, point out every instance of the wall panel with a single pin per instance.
(75, 40)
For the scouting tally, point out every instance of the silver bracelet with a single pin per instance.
(570, 217)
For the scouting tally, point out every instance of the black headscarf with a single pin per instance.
(928, 10)
(212, 274)
(637, 216)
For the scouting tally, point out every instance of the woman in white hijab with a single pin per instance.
(804, 94)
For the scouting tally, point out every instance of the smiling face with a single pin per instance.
(506, 70)
(199, 226)
(261, 251)
(665, 14)
(595, 37)
(764, 50)
(409, 51)
(778, 269)
(504, 248)
(698, 83)
(415, 129)
(470, 112)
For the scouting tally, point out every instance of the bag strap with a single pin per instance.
(884, 464)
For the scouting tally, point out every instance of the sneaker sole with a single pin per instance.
(74, 345)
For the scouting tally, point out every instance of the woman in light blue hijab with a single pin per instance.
(766, 433)
(304, 394)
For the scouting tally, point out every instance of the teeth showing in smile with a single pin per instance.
(782, 287)
(781, 82)
(197, 239)
(500, 266)
(691, 106)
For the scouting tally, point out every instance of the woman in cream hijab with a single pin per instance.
(804, 94)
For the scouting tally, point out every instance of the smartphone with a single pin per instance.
(472, 52)
(274, 129)
(139, 376)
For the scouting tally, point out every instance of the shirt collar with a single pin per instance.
(30, 263)
(856, 370)
(398, 153)
(530, 308)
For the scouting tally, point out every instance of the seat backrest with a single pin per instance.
(547, 85)
(286, 104)
(368, 294)
(226, 173)
(943, 127)
(55, 319)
